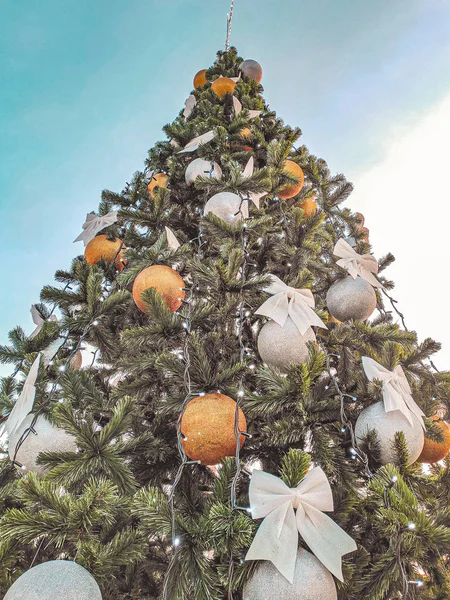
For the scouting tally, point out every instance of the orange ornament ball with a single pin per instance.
(200, 79)
(309, 206)
(245, 133)
(222, 86)
(166, 282)
(158, 181)
(207, 426)
(432, 451)
(291, 190)
(100, 248)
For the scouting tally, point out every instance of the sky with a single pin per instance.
(86, 88)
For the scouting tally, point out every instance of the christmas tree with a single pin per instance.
(241, 428)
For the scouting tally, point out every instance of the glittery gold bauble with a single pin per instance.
(252, 68)
(207, 426)
(350, 298)
(245, 133)
(291, 190)
(280, 346)
(200, 78)
(100, 248)
(312, 581)
(76, 361)
(309, 206)
(222, 86)
(386, 425)
(433, 452)
(158, 181)
(48, 438)
(166, 282)
(55, 580)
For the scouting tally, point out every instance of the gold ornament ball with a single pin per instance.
(433, 452)
(222, 86)
(166, 282)
(291, 190)
(100, 248)
(200, 78)
(158, 181)
(245, 133)
(207, 426)
(252, 68)
(309, 206)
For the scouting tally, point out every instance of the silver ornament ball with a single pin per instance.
(312, 581)
(55, 580)
(47, 438)
(351, 299)
(202, 168)
(279, 346)
(386, 426)
(252, 68)
(226, 206)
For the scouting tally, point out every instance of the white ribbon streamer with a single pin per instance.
(277, 537)
(39, 321)
(189, 106)
(25, 402)
(357, 264)
(172, 241)
(255, 197)
(396, 390)
(195, 144)
(287, 302)
(94, 224)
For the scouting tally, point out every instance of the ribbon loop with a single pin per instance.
(356, 264)
(287, 302)
(93, 224)
(290, 512)
(396, 390)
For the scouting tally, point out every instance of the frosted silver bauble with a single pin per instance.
(49, 438)
(226, 206)
(252, 68)
(55, 580)
(386, 426)
(351, 299)
(279, 346)
(202, 168)
(312, 581)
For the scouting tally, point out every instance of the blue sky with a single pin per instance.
(87, 86)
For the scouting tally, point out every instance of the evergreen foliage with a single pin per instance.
(108, 505)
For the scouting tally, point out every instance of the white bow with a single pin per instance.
(277, 537)
(396, 390)
(357, 264)
(94, 224)
(25, 402)
(172, 241)
(39, 321)
(287, 302)
(255, 197)
(236, 105)
(195, 144)
(189, 106)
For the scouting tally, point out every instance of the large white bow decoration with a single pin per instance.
(288, 512)
(357, 264)
(39, 321)
(195, 144)
(25, 402)
(93, 224)
(287, 302)
(396, 390)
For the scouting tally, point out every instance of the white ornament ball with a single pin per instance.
(279, 346)
(252, 68)
(55, 580)
(202, 168)
(351, 299)
(48, 439)
(312, 581)
(386, 426)
(226, 206)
